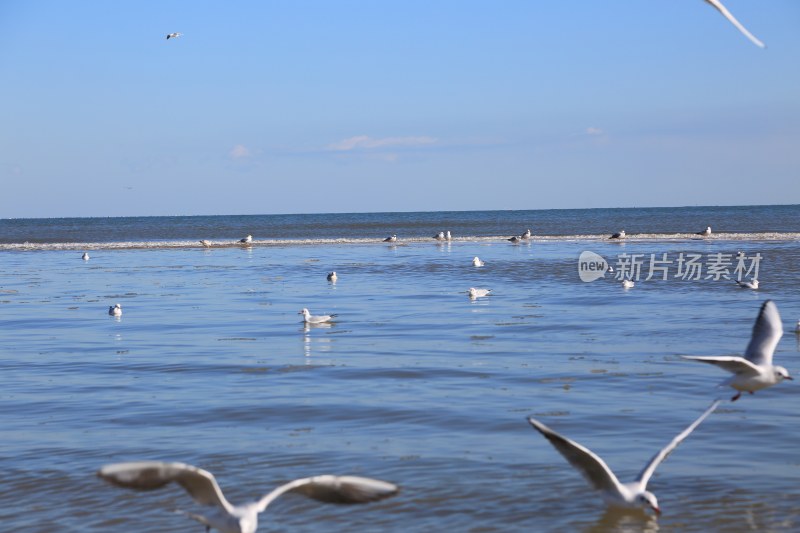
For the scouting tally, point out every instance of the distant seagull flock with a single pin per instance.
(755, 370)
(226, 517)
(601, 477)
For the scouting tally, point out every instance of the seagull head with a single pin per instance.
(781, 374)
(648, 499)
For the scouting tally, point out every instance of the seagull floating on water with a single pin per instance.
(226, 517)
(439, 236)
(174, 35)
(620, 235)
(514, 240)
(319, 319)
(476, 261)
(115, 310)
(332, 276)
(755, 370)
(627, 284)
(478, 293)
(628, 495)
(393, 238)
(246, 240)
(85, 256)
(752, 284)
(706, 232)
(727, 14)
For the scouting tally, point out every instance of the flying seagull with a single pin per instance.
(174, 35)
(727, 14)
(629, 495)
(755, 370)
(228, 518)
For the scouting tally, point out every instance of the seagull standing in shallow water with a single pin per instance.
(246, 240)
(229, 518)
(620, 235)
(755, 370)
(319, 319)
(629, 495)
(393, 238)
(705, 233)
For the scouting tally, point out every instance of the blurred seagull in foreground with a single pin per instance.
(174, 35)
(476, 261)
(752, 284)
(620, 235)
(478, 293)
(705, 233)
(628, 495)
(319, 319)
(332, 276)
(226, 517)
(727, 14)
(755, 370)
(115, 310)
(246, 240)
(85, 256)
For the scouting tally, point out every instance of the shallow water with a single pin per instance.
(414, 383)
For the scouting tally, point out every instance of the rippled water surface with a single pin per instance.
(414, 383)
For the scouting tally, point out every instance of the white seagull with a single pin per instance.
(332, 276)
(478, 293)
(174, 35)
(229, 518)
(319, 319)
(526, 235)
(620, 235)
(205, 243)
(727, 14)
(85, 256)
(628, 495)
(246, 240)
(447, 236)
(752, 284)
(393, 238)
(797, 328)
(439, 236)
(627, 284)
(705, 233)
(115, 310)
(476, 261)
(755, 370)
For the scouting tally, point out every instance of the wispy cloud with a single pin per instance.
(364, 142)
(594, 131)
(239, 152)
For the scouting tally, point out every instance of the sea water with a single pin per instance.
(413, 383)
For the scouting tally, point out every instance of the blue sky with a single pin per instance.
(320, 106)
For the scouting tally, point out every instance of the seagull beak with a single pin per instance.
(790, 378)
(657, 510)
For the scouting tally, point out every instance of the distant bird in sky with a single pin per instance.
(755, 370)
(115, 310)
(223, 515)
(628, 495)
(706, 232)
(620, 235)
(727, 14)
(752, 284)
(308, 318)
(174, 35)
